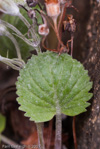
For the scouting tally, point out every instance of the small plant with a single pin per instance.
(50, 85)
(52, 82)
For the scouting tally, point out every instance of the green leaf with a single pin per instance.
(2, 123)
(50, 84)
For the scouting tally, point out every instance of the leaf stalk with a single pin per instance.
(40, 135)
(58, 137)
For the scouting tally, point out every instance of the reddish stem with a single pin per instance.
(43, 40)
(61, 23)
(74, 133)
(72, 38)
(57, 32)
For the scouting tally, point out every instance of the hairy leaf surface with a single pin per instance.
(50, 84)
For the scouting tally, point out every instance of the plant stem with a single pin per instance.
(72, 38)
(43, 40)
(24, 20)
(60, 19)
(61, 23)
(38, 49)
(35, 38)
(20, 35)
(14, 63)
(10, 26)
(15, 43)
(40, 135)
(9, 142)
(58, 138)
(57, 32)
(32, 30)
(74, 133)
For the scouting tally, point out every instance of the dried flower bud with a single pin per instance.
(9, 7)
(43, 29)
(53, 8)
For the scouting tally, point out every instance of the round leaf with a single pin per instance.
(50, 84)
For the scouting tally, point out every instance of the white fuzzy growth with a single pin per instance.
(9, 7)
(2, 29)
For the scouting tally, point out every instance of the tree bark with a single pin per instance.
(88, 123)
